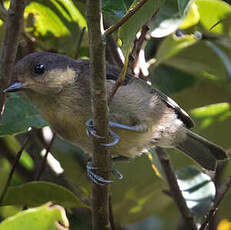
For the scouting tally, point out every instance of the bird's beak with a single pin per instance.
(16, 86)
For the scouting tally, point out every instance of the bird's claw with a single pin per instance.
(90, 129)
(115, 139)
(92, 132)
(94, 177)
(99, 179)
(117, 173)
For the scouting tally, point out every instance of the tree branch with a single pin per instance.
(13, 26)
(101, 158)
(175, 190)
(128, 15)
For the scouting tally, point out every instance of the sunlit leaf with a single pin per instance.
(46, 217)
(192, 17)
(18, 116)
(197, 189)
(221, 13)
(211, 110)
(14, 145)
(55, 24)
(37, 193)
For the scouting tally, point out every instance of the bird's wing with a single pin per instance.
(113, 73)
(182, 115)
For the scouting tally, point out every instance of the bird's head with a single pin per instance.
(44, 73)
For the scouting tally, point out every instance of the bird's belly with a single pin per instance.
(130, 144)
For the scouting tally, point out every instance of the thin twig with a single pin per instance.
(124, 19)
(18, 155)
(79, 43)
(44, 160)
(175, 190)
(13, 25)
(139, 42)
(101, 158)
(220, 196)
(119, 81)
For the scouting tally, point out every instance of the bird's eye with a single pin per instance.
(39, 69)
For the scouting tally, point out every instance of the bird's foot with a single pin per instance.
(99, 179)
(92, 132)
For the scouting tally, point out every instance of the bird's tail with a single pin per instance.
(201, 150)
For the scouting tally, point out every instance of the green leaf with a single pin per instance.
(56, 24)
(171, 80)
(128, 31)
(18, 116)
(197, 189)
(221, 54)
(211, 110)
(173, 45)
(14, 145)
(207, 115)
(192, 18)
(46, 217)
(221, 12)
(37, 193)
(170, 17)
(199, 59)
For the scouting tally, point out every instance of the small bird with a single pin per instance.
(139, 115)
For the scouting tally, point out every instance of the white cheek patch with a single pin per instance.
(61, 76)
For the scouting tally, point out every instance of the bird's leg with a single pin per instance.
(141, 128)
(137, 128)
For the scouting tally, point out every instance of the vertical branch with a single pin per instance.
(175, 190)
(13, 25)
(101, 158)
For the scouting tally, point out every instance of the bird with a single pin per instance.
(140, 116)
